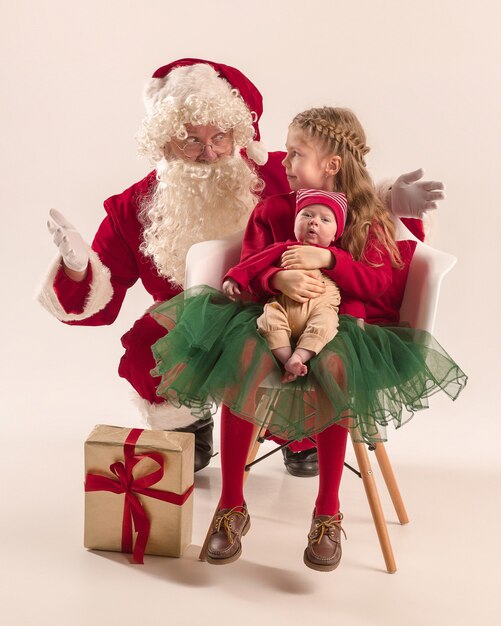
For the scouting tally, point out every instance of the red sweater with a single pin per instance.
(250, 270)
(380, 287)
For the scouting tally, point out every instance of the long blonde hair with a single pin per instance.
(340, 133)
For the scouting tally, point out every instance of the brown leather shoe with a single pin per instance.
(323, 552)
(225, 541)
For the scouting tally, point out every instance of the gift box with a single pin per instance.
(138, 491)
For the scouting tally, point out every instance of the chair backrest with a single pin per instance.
(422, 289)
(208, 261)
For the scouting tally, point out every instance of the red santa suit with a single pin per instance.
(115, 265)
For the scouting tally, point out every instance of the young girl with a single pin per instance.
(371, 375)
(319, 221)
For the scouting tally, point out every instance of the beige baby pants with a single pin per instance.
(310, 325)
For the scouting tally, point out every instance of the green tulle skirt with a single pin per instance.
(363, 379)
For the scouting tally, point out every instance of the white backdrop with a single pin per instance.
(421, 76)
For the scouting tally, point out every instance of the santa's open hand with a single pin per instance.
(71, 246)
(411, 197)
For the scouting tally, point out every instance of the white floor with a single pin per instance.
(447, 557)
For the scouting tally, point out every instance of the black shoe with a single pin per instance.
(302, 464)
(202, 429)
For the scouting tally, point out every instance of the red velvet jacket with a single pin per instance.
(117, 244)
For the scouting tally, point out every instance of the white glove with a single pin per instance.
(71, 246)
(410, 198)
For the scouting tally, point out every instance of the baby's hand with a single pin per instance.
(306, 258)
(230, 288)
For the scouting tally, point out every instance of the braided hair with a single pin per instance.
(340, 133)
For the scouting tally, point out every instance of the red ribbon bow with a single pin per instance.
(126, 483)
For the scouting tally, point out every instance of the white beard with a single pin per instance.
(195, 202)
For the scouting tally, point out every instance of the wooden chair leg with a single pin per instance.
(255, 445)
(391, 483)
(375, 504)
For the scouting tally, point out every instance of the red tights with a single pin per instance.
(236, 438)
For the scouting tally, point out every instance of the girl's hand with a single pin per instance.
(298, 285)
(306, 258)
(230, 288)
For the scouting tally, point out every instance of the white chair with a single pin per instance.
(206, 264)
(422, 289)
(208, 261)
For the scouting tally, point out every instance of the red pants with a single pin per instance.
(236, 439)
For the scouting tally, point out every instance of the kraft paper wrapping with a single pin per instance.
(171, 524)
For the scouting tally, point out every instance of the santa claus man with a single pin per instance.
(201, 131)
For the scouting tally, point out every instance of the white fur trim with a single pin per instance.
(150, 92)
(257, 152)
(200, 80)
(164, 416)
(100, 292)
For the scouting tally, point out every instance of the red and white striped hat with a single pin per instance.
(334, 200)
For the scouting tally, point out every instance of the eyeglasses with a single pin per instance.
(192, 148)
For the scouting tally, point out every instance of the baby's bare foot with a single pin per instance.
(294, 367)
(288, 377)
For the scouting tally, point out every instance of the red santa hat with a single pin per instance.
(336, 201)
(193, 83)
